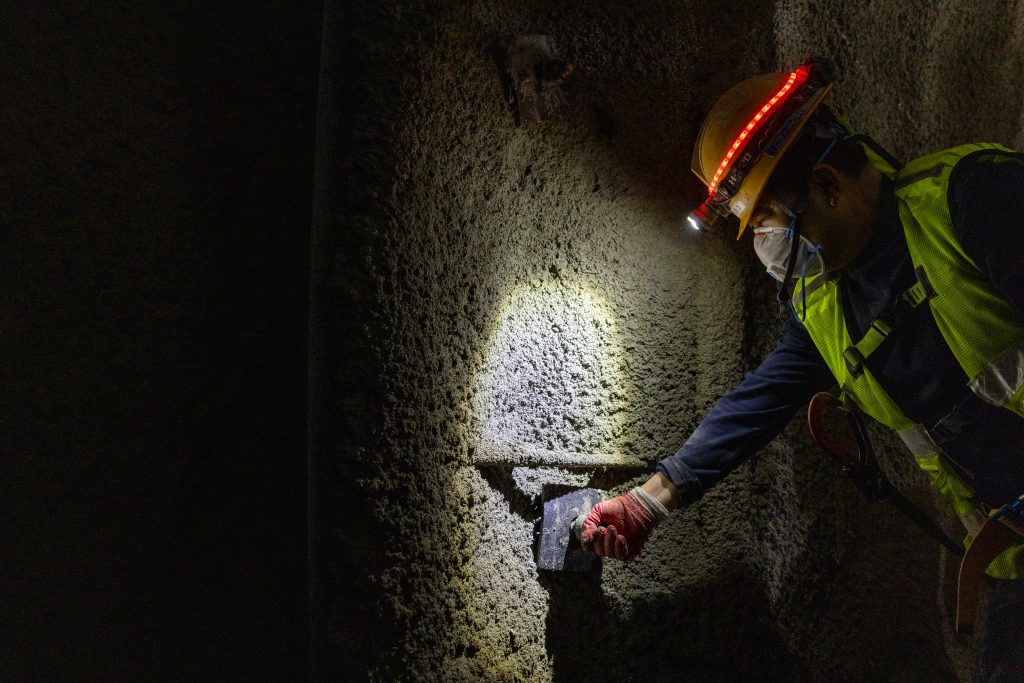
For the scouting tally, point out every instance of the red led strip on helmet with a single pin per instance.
(796, 78)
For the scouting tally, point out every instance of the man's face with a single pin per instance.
(771, 213)
(839, 217)
(773, 242)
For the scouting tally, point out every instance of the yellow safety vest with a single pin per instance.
(984, 331)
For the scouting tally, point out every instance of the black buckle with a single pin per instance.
(916, 296)
(922, 277)
(854, 361)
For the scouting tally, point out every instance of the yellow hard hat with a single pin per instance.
(769, 110)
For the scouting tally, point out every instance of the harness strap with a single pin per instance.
(917, 294)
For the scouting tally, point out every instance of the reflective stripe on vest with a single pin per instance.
(964, 305)
(960, 496)
(1002, 378)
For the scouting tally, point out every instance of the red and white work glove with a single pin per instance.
(620, 527)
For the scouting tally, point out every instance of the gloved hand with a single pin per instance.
(620, 527)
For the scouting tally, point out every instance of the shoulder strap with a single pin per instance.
(880, 329)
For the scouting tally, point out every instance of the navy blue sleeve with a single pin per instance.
(986, 203)
(749, 416)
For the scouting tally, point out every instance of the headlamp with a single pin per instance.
(707, 215)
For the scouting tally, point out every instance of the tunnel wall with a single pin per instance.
(478, 281)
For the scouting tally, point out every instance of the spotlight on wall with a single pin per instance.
(551, 390)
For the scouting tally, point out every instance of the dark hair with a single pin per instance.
(793, 173)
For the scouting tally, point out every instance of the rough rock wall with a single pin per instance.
(478, 281)
(919, 75)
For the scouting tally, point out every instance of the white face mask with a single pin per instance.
(773, 246)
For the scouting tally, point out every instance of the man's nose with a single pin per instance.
(758, 217)
(768, 218)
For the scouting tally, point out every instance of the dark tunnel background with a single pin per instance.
(203, 204)
(156, 164)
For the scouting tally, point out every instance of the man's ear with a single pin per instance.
(827, 180)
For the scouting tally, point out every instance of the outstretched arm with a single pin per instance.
(739, 425)
(748, 417)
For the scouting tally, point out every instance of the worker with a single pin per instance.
(905, 290)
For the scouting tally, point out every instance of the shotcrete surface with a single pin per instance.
(533, 286)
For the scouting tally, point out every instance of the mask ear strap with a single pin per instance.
(795, 214)
(793, 232)
(794, 246)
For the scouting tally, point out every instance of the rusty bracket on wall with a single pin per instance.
(532, 74)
